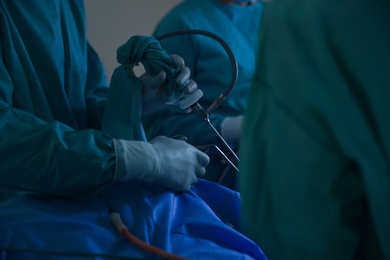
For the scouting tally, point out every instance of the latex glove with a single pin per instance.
(172, 163)
(153, 90)
(231, 129)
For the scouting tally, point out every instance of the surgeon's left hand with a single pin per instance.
(153, 90)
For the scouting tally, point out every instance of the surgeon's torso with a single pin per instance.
(44, 52)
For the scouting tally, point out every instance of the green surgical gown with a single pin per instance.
(52, 94)
(209, 64)
(315, 150)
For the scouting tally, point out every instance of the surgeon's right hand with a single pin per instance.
(153, 90)
(172, 163)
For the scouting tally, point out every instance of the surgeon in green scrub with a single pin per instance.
(57, 114)
(315, 145)
(237, 23)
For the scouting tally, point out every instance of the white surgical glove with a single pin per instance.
(231, 129)
(172, 163)
(153, 89)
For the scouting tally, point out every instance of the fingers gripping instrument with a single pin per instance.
(204, 114)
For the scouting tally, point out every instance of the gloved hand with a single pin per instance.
(172, 163)
(153, 90)
(231, 129)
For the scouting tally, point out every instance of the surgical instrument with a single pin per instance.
(212, 148)
(209, 149)
(204, 114)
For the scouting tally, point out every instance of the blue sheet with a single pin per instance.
(188, 224)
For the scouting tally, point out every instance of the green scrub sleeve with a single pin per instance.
(52, 158)
(49, 74)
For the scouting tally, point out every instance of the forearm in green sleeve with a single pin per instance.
(52, 158)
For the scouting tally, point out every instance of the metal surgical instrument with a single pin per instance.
(212, 148)
(204, 114)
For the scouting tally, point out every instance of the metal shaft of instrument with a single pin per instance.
(223, 140)
(198, 108)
